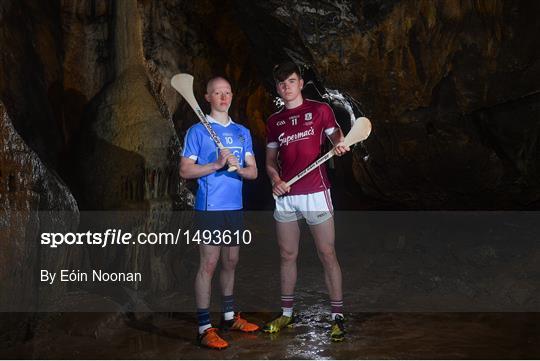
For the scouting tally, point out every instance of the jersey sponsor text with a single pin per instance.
(285, 140)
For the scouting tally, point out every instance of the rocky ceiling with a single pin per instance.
(88, 119)
(452, 89)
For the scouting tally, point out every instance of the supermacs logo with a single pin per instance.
(285, 140)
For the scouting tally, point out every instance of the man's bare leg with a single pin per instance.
(208, 259)
(229, 260)
(324, 237)
(288, 235)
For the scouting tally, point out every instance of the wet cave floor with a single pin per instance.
(370, 336)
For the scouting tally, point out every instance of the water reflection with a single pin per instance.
(374, 336)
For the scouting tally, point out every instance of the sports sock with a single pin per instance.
(287, 302)
(228, 307)
(337, 308)
(203, 317)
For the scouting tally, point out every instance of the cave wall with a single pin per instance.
(88, 119)
(423, 71)
(433, 77)
(28, 185)
(204, 38)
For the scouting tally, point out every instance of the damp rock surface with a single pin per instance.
(370, 336)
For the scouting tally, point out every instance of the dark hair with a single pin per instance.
(284, 70)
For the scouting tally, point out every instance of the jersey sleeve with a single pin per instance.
(192, 144)
(271, 137)
(329, 120)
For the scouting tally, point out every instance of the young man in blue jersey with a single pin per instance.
(218, 204)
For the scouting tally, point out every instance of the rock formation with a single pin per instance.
(89, 120)
(430, 75)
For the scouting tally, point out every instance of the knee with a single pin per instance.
(208, 266)
(328, 256)
(288, 256)
(230, 263)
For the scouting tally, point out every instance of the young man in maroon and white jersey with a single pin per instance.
(296, 134)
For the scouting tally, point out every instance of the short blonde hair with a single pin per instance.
(212, 81)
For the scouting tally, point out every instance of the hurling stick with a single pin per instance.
(359, 132)
(183, 83)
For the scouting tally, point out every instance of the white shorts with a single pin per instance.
(314, 207)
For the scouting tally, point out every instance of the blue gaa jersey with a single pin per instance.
(221, 190)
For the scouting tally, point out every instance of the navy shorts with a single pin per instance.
(220, 221)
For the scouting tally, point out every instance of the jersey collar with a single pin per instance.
(212, 120)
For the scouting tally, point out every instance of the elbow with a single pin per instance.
(184, 172)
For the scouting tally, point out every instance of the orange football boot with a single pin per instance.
(210, 338)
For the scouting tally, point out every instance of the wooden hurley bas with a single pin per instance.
(183, 83)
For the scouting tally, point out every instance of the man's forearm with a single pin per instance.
(273, 174)
(249, 172)
(191, 171)
(272, 166)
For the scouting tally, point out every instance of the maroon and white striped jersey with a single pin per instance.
(299, 134)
